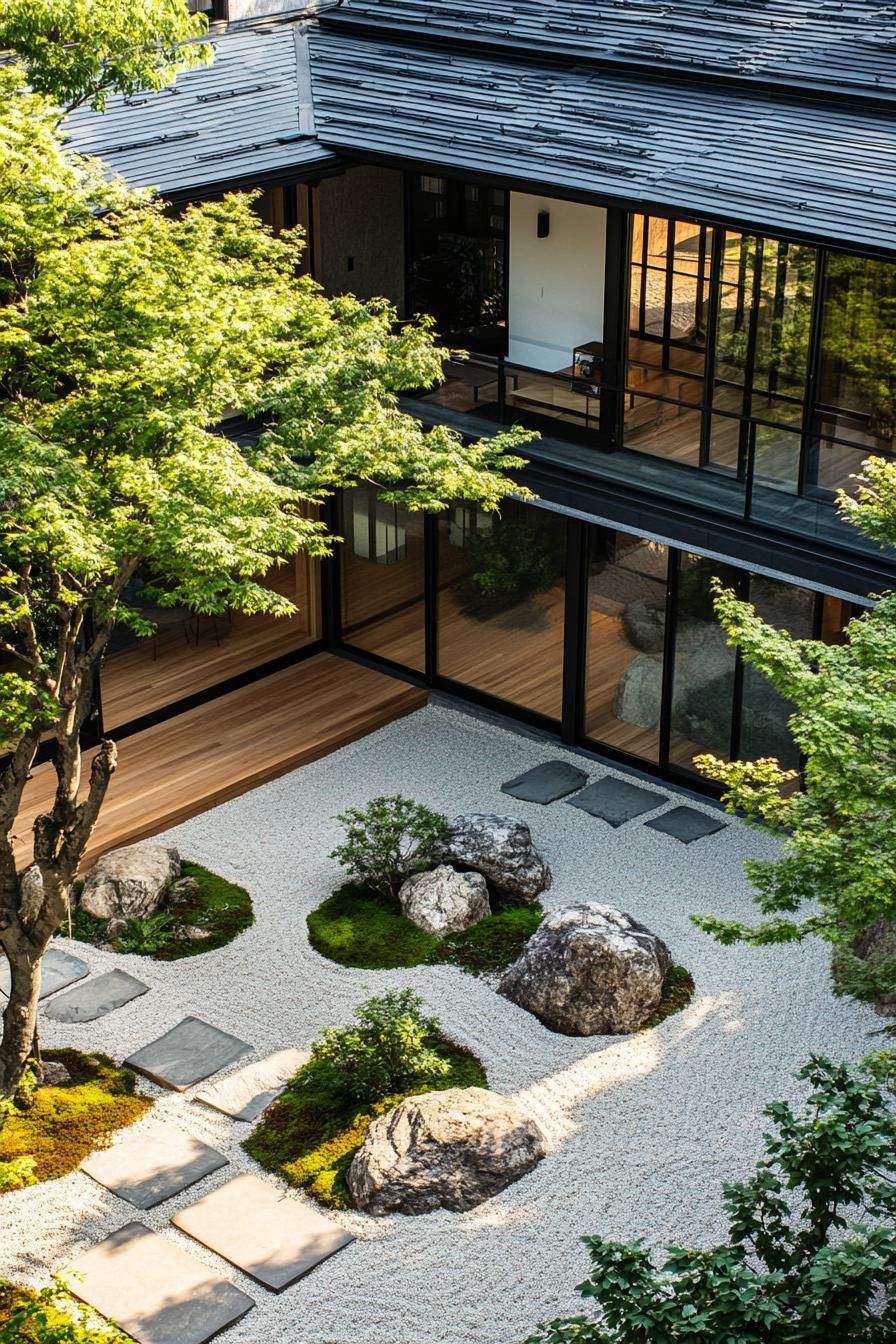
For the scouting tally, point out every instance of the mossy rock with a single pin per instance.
(365, 929)
(311, 1133)
(59, 1125)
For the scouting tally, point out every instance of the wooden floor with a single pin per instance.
(198, 759)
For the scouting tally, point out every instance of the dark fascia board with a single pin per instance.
(442, 38)
(280, 177)
(638, 207)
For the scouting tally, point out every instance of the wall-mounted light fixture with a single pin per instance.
(543, 226)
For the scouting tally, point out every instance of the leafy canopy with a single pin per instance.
(839, 841)
(811, 1247)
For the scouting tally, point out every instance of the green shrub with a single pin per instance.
(387, 840)
(363, 928)
(386, 1051)
(811, 1253)
(509, 564)
(50, 1316)
(59, 1126)
(868, 980)
(145, 936)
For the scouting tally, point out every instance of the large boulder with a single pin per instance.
(590, 970)
(644, 625)
(443, 1150)
(444, 901)
(501, 849)
(130, 882)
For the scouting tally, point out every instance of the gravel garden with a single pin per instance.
(439, 1073)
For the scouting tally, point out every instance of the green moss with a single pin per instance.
(678, 990)
(61, 1125)
(50, 1316)
(359, 927)
(220, 907)
(310, 1135)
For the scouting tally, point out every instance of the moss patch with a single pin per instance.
(61, 1125)
(310, 1135)
(678, 990)
(359, 927)
(218, 906)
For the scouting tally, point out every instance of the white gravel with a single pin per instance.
(643, 1130)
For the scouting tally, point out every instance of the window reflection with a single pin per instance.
(703, 666)
(383, 609)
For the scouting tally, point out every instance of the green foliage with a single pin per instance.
(811, 1244)
(84, 927)
(861, 979)
(509, 564)
(386, 1052)
(17, 1174)
(77, 51)
(839, 841)
(50, 1316)
(311, 1133)
(387, 840)
(144, 936)
(357, 926)
(494, 942)
(60, 1125)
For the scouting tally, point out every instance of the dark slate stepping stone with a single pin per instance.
(615, 801)
(186, 1054)
(153, 1290)
(146, 1169)
(272, 1237)
(546, 783)
(245, 1094)
(687, 824)
(59, 970)
(102, 994)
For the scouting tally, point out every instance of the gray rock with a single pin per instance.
(615, 801)
(184, 889)
(687, 824)
(444, 901)
(194, 933)
(589, 970)
(501, 849)
(116, 927)
(639, 692)
(54, 1074)
(443, 1150)
(130, 882)
(644, 625)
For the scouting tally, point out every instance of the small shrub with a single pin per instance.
(811, 1251)
(387, 840)
(386, 1052)
(143, 937)
(50, 1316)
(84, 927)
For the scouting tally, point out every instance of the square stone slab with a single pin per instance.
(101, 994)
(546, 783)
(244, 1095)
(156, 1292)
(188, 1053)
(615, 801)
(59, 970)
(272, 1237)
(687, 824)
(146, 1169)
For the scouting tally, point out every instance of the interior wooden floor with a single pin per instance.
(228, 746)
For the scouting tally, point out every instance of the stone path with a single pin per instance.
(546, 783)
(148, 1167)
(60, 969)
(686, 824)
(97, 996)
(615, 801)
(187, 1054)
(245, 1094)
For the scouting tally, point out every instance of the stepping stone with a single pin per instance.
(687, 824)
(146, 1169)
(615, 801)
(102, 994)
(188, 1053)
(546, 783)
(272, 1237)
(59, 970)
(153, 1290)
(244, 1095)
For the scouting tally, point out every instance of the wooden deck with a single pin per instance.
(228, 746)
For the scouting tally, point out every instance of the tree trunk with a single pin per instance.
(20, 1016)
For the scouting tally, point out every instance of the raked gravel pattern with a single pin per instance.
(643, 1130)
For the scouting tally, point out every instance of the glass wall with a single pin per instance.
(501, 604)
(764, 713)
(703, 666)
(382, 573)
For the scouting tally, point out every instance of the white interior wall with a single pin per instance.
(556, 291)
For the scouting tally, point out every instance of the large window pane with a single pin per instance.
(857, 395)
(626, 631)
(501, 600)
(703, 667)
(765, 713)
(382, 578)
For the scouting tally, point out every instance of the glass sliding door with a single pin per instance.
(382, 575)
(501, 604)
(764, 714)
(703, 666)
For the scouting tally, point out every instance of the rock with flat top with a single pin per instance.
(501, 849)
(443, 1150)
(131, 882)
(590, 970)
(444, 901)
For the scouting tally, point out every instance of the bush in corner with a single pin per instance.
(388, 840)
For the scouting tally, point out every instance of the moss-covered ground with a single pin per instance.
(310, 1135)
(50, 1317)
(57, 1127)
